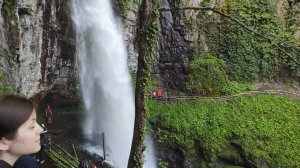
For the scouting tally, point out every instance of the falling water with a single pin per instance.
(105, 79)
(150, 160)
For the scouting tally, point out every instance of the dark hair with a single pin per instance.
(14, 111)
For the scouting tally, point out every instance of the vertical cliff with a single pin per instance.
(37, 48)
(37, 44)
(175, 41)
(58, 63)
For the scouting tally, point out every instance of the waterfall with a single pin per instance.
(150, 159)
(105, 79)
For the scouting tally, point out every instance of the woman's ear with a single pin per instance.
(4, 144)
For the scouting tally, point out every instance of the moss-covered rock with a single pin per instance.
(207, 76)
(11, 26)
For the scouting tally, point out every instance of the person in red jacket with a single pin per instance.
(49, 114)
(93, 165)
(160, 93)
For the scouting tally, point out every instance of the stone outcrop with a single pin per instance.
(38, 48)
(37, 44)
(174, 47)
(58, 63)
(130, 25)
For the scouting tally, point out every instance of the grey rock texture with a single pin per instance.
(130, 24)
(175, 41)
(38, 49)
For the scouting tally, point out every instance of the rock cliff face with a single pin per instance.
(175, 39)
(37, 49)
(37, 46)
(175, 44)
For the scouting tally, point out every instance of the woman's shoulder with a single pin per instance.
(4, 164)
(26, 161)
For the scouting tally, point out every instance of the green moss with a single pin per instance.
(139, 161)
(234, 88)
(126, 5)
(249, 56)
(6, 54)
(207, 77)
(152, 37)
(9, 8)
(262, 127)
(4, 88)
(11, 25)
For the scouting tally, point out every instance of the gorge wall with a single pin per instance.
(38, 50)
(37, 45)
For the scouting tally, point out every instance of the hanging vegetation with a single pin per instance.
(207, 76)
(259, 53)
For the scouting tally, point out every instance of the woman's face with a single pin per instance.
(27, 139)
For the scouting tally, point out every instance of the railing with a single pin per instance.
(183, 98)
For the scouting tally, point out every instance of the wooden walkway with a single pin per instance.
(294, 95)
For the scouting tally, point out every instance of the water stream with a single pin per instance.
(105, 83)
(105, 79)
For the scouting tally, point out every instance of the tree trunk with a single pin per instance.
(137, 148)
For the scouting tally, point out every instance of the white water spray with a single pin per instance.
(150, 160)
(105, 79)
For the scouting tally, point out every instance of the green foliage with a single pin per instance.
(3, 87)
(207, 77)
(6, 54)
(133, 80)
(124, 5)
(69, 110)
(265, 127)
(139, 161)
(206, 3)
(162, 164)
(250, 57)
(234, 88)
(9, 8)
(11, 25)
(60, 160)
(152, 40)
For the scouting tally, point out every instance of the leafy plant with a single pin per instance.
(207, 76)
(259, 125)
(234, 88)
(250, 56)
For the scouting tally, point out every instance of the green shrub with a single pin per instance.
(250, 57)
(265, 127)
(207, 76)
(234, 88)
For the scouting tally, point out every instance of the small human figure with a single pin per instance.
(151, 94)
(93, 165)
(160, 93)
(84, 163)
(19, 130)
(26, 161)
(154, 95)
(49, 114)
(43, 142)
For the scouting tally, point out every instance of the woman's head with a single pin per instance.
(19, 131)
(14, 111)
